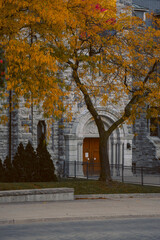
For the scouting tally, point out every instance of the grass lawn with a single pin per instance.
(83, 186)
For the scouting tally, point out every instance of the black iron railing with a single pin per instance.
(128, 174)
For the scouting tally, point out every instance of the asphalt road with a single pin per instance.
(111, 229)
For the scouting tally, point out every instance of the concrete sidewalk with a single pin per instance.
(114, 206)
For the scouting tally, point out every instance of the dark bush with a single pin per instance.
(9, 175)
(19, 163)
(45, 164)
(31, 166)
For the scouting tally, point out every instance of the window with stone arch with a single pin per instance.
(154, 123)
(41, 130)
(155, 127)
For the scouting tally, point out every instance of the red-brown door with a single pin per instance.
(91, 156)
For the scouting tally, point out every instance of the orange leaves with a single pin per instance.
(43, 38)
(90, 16)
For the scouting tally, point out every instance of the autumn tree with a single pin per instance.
(30, 67)
(111, 57)
(2, 68)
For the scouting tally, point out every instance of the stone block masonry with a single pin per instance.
(37, 195)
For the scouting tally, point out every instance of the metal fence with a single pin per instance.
(127, 174)
(137, 175)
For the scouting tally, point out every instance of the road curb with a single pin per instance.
(111, 196)
(22, 196)
(66, 219)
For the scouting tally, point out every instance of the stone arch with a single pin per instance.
(108, 117)
(84, 127)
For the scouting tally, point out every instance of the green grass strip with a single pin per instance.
(84, 186)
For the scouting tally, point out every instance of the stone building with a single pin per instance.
(78, 140)
(146, 143)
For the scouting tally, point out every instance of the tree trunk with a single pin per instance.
(103, 135)
(105, 174)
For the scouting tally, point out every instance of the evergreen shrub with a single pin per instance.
(31, 166)
(46, 167)
(19, 163)
(9, 175)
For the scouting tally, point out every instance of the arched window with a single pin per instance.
(41, 130)
(154, 122)
(154, 127)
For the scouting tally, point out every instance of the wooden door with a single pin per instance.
(91, 156)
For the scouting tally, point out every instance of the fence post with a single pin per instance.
(123, 162)
(122, 173)
(87, 170)
(142, 176)
(75, 169)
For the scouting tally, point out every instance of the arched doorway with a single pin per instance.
(84, 129)
(91, 162)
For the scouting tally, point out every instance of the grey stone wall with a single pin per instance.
(5, 129)
(61, 141)
(14, 132)
(3, 140)
(144, 150)
(24, 128)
